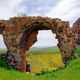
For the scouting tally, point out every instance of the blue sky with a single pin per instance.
(68, 10)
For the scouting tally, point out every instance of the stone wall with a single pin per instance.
(76, 27)
(20, 33)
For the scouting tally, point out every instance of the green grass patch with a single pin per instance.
(77, 51)
(71, 72)
(3, 51)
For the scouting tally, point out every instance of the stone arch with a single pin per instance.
(20, 33)
(29, 36)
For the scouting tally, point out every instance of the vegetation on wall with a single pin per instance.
(77, 51)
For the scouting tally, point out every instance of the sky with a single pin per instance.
(68, 10)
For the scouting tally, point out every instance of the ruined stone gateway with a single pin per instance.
(20, 33)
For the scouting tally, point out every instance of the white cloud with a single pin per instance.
(36, 7)
(7, 8)
(68, 10)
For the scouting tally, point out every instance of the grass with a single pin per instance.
(77, 51)
(3, 51)
(71, 72)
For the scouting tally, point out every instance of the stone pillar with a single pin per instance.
(26, 43)
(23, 62)
(66, 46)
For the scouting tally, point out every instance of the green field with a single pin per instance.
(44, 60)
(71, 72)
(3, 51)
(44, 51)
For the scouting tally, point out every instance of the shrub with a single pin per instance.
(3, 63)
(77, 51)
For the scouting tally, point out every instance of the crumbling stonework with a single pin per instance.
(76, 27)
(20, 33)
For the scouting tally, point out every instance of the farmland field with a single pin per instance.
(3, 51)
(43, 60)
(46, 60)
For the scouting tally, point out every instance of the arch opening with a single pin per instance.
(45, 47)
(29, 37)
(2, 44)
(45, 38)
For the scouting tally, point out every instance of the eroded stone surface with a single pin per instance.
(20, 33)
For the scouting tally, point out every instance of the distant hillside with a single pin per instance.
(41, 48)
(3, 49)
